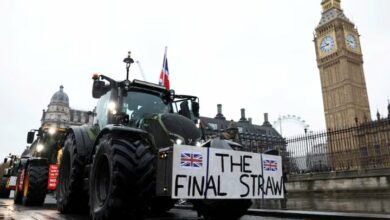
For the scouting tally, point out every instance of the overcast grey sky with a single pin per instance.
(253, 54)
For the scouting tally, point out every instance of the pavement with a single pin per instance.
(302, 214)
(8, 210)
(326, 206)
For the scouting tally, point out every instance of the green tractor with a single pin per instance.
(8, 175)
(111, 167)
(38, 168)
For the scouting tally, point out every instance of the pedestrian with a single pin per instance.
(231, 132)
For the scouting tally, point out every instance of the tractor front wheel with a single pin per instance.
(18, 191)
(4, 192)
(35, 185)
(122, 178)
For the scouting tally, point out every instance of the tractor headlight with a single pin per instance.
(198, 143)
(198, 123)
(52, 131)
(39, 147)
(112, 107)
(179, 141)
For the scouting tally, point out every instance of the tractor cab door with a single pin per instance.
(103, 114)
(187, 107)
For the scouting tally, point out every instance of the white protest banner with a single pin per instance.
(200, 172)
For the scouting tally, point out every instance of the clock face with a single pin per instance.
(351, 41)
(327, 44)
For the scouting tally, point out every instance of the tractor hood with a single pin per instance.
(181, 126)
(166, 128)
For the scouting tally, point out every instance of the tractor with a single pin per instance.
(8, 175)
(112, 168)
(38, 167)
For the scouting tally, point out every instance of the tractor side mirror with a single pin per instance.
(5, 160)
(30, 137)
(98, 89)
(195, 109)
(91, 113)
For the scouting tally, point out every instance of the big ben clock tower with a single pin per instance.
(340, 62)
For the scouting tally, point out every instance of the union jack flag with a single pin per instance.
(270, 165)
(164, 75)
(191, 160)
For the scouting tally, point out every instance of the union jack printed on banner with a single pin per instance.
(270, 165)
(191, 160)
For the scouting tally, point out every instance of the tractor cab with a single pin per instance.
(128, 102)
(47, 143)
(166, 117)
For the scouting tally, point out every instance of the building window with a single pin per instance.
(213, 126)
(240, 130)
(377, 149)
(363, 152)
(388, 148)
(259, 131)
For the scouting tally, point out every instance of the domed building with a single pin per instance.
(59, 114)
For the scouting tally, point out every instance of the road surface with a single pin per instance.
(9, 211)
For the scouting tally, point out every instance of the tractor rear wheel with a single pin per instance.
(35, 185)
(4, 192)
(122, 178)
(222, 209)
(71, 197)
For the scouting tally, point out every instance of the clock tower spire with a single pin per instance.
(340, 63)
(329, 4)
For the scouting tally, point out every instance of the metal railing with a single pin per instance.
(363, 146)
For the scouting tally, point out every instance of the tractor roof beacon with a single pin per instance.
(112, 165)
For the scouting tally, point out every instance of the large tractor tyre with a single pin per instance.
(35, 185)
(159, 205)
(122, 178)
(4, 192)
(222, 209)
(18, 195)
(71, 197)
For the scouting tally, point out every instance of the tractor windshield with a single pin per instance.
(137, 105)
